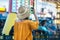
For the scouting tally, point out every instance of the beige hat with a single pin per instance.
(23, 12)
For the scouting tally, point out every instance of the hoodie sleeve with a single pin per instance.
(33, 25)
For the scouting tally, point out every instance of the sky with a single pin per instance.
(4, 3)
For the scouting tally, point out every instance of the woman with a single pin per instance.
(23, 27)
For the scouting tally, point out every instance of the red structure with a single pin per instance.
(10, 6)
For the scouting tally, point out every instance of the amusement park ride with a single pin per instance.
(13, 7)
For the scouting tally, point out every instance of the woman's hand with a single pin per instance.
(35, 16)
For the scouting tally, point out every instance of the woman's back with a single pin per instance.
(23, 29)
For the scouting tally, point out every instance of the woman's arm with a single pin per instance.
(35, 16)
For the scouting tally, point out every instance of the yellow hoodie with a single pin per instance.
(23, 30)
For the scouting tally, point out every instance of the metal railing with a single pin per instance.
(6, 37)
(47, 37)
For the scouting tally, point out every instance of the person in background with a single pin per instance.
(42, 27)
(23, 26)
(49, 29)
(52, 29)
